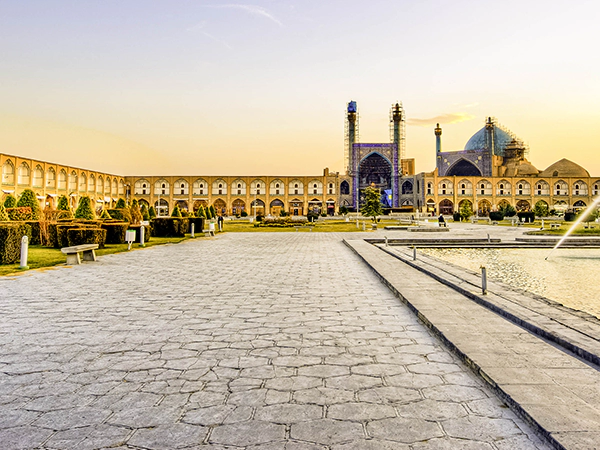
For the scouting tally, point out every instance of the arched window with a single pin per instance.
(51, 178)
(38, 176)
(23, 176)
(8, 173)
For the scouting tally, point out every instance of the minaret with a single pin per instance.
(490, 143)
(351, 134)
(438, 138)
(399, 128)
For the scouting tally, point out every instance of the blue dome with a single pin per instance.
(479, 141)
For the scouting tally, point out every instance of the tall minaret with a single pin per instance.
(351, 135)
(490, 141)
(398, 132)
(438, 138)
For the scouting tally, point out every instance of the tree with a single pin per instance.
(466, 209)
(176, 211)
(508, 210)
(372, 206)
(136, 214)
(84, 209)
(213, 213)
(120, 204)
(3, 214)
(63, 203)
(28, 198)
(10, 201)
(151, 212)
(105, 214)
(201, 212)
(541, 209)
(144, 211)
(343, 210)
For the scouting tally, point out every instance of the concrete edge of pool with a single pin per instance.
(548, 386)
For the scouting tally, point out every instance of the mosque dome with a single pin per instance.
(526, 168)
(565, 169)
(502, 138)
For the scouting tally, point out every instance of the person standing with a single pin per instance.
(220, 222)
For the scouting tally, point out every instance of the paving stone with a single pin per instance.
(247, 433)
(176, 435)
(16, 438)
(288, 413)
(360, 411)
(326, 431)
(72, 418)
(404, 430)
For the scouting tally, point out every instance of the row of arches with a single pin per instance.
(522, 187)
(238, 206)
(484, 207)
(237, 187)
(49, 179)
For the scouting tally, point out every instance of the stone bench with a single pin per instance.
(554, 225)
(73, 253)
(208, 233)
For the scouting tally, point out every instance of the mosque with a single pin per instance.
(492, 171)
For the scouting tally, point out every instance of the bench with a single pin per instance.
(73, 253)
(494, 223)
(554, 225)
(443, 224)
(208, 233)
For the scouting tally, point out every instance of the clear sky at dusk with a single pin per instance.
(223, 88)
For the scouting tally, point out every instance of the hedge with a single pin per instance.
(570, 216)
(19, 213)
(115, 232)
(10, 241)
(123, 214)
(147, 232)
(79, 236)
(36, 232)
(169, 227)
(198, 224)
(57, 232)
(528, 215)
(496, 215)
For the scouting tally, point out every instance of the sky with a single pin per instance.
(142, 87)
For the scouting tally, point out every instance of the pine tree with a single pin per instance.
(63, 203)
(3, 214)
(10, 201)
(213, 213)
(151, 212)
(136, 215)
(28, 198)
(144, 211)
(120, 204)
(84, 209)
(201, 212)
(176, 212)
(372, 206)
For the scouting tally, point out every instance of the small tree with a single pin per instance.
(28, 198)
(508, 210)
(105, 214)
(3, 214)
(120, 204)
(10, 201)
(84, 209)
(63, 203)
(176, 211)
(136, 214)
(372, 206)
(213, 212)
(151, 212)
(144, 211)
(343, 210)
(541, 209)
(466, 210)
(201, 212)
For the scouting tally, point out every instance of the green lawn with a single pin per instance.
(319, 226)
(41, 257)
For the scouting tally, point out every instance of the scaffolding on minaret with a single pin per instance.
(398, 128)
(351, 135)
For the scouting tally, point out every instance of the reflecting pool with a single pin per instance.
(570, 276)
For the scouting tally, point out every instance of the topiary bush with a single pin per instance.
(198, 224)
(19, 213)
(201, 213)
(144, 211)
(79, 236)
(570, 217)
(84, 209)
(36, 232)
(496, 215)
(529, 216)
(121, 204)
(176, 212)
(10, 241)
(3, 214)
(169, 227)
(122, 214)
(456, 216)
(151, 213)
(213, 212)
(63, 203)
(105, 215)
(10, 201)
(115, 232)
(28, 198)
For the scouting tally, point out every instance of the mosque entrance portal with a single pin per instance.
(374, 170)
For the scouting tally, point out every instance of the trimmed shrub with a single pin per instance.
(176, 212)
(120, 204)
(115, 232)
(201, 213)
(144, 211)
(244, 214)
(570, 216)
(456, 216)
(36, 232)
(198, 224)
(10, 241)
(151, 213)
(122, 214)
(19, 213)
(63, 203)
(3, 214)
(136, 228)
(84, 210)
(169, 227)
(528, 215)
(10, 201)
(213, 213)
(105, 215)
(79, 236)
(496, 215)
(28, 198)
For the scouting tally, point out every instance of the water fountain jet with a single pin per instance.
(582, 216)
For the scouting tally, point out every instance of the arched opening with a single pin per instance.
(407, 187)
(483, 208)
(220, 206)
(578, 206)
(161, 207)
(238, 206)
(276, 207)
(464, 168)
(258, 207)
(446, 207)
(315, 205)
(345, 188)
(375, 170)
(523, 205)
(296, 207)
(183, 205)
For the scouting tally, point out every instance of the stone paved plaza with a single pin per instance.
(258, 341)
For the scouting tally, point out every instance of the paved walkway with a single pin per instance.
(245, 341)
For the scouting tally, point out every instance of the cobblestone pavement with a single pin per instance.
(246, 341)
